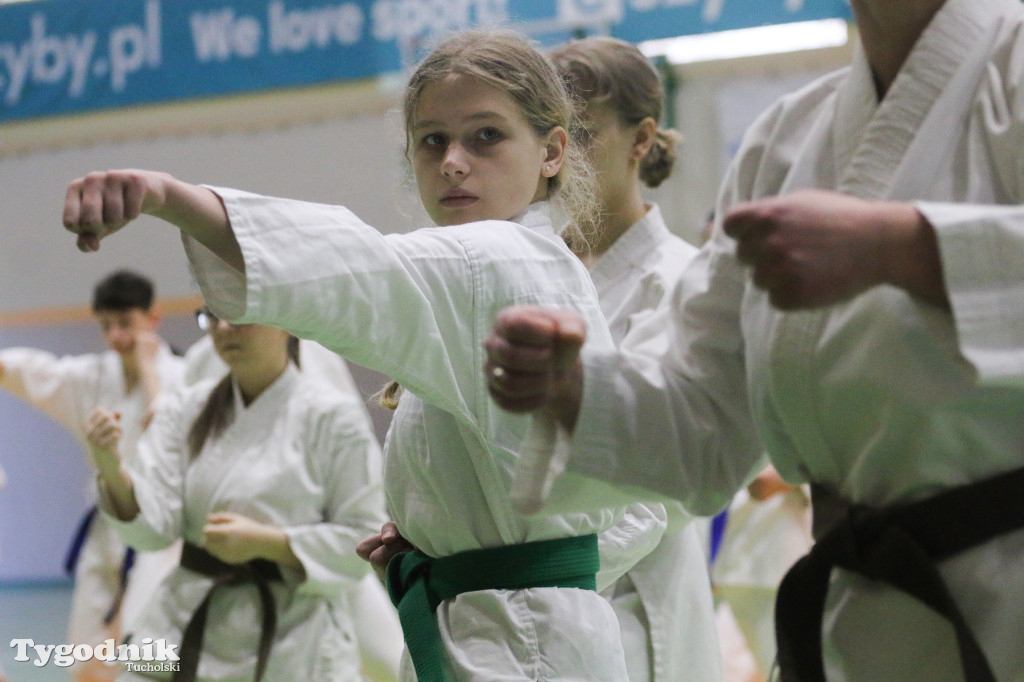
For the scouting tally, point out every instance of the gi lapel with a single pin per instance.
(876, 151)
(212, 475)
(915, 127)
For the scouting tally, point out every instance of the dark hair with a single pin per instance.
(603, 70)
(219, 410)
(122, 290)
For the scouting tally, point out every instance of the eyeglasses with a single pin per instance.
(205, 319)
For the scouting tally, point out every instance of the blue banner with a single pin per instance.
(67, 56)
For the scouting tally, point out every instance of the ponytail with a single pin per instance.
(218, 412)
(388, 396)
(657, 164)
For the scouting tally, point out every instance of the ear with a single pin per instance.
(555, 143)
(154, 317)
(644, 138)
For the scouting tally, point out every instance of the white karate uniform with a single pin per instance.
(417, 307)
(301, 457)
(68, 389)
(884, 398)
(375, 619)
(664, 602)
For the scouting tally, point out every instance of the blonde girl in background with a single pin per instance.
(663, 602)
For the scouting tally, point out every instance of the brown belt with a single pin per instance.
(259, 572)
(900, 546)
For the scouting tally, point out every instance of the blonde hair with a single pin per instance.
(509, 61)
(388, 396)
(612, 72)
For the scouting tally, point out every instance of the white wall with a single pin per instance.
(353, 161)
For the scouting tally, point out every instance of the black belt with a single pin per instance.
(899, 546)
(259, 572)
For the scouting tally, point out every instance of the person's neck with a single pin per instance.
(616, 219)
(130, 371)
(253, 380)
(888, 31)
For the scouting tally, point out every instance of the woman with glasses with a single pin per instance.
(270, 478)
(377, 629)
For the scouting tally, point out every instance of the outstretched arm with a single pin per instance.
(101, 203)
(807, 249)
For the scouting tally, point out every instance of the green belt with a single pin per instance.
(417, 584)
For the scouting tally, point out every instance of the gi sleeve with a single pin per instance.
(395, 303)
(635, 535)
(51, 384)
(668, 417)
(348, 461)
(982, 251)
(982, 246)
(679, 425)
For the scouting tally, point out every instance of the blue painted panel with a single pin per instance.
(66, 56)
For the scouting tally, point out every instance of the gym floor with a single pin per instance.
(38, 612)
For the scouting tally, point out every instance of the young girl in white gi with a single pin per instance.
(664, 602)
(509, 597)
(270, 477)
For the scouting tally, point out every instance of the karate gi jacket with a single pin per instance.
(634, 278)
(302, 457)
(884, 398)
(68, 389)
(417, 307)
